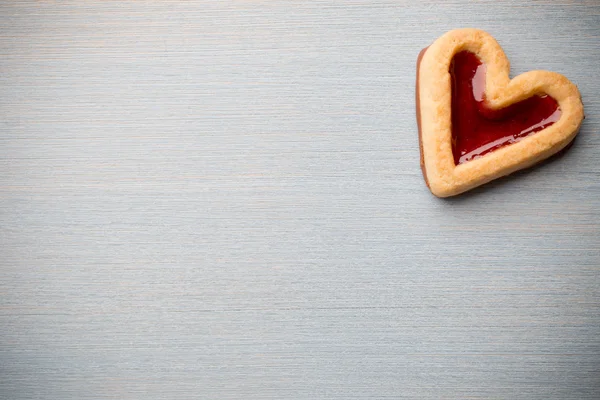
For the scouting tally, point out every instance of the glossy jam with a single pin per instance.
(476, 128)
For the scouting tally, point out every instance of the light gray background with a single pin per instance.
(222, 200)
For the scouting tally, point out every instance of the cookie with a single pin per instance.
(476, 124)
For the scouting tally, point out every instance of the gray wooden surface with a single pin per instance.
(222, 200)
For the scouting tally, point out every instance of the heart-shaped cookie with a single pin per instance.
(476, 124)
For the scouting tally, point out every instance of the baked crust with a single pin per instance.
(434, 114)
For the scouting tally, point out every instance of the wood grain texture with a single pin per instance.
(223, 200)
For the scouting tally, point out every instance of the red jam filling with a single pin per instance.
(478, 129)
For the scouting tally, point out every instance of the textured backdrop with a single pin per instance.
(223, 200)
